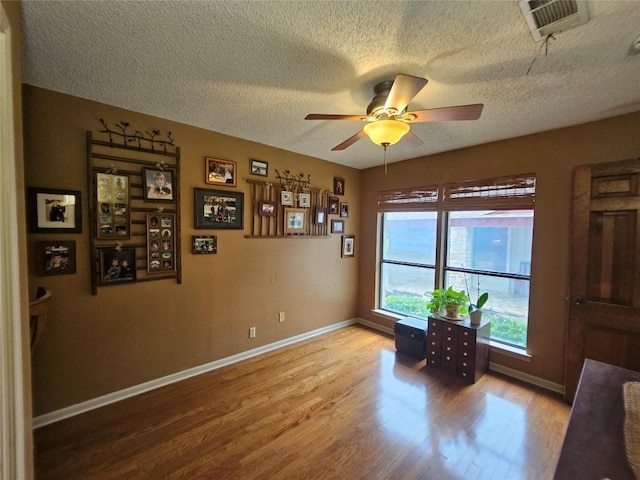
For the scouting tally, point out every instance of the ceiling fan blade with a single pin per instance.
(404, 88)
(349, 141)
(322, 116)
(411, 140)
(444, 114)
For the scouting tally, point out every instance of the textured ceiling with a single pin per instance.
(254, 69)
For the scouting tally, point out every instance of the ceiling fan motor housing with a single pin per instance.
(377, 106)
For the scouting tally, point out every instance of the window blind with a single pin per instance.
(511, 191)
(416, 198)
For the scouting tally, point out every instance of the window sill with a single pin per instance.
(510, 351)
(387, 315)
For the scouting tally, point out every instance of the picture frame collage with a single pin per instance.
(161, 243)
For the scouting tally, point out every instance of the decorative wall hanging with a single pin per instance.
(220, 172)
(320, 216)
(338, 186)
(344, 209)
(218, 209)
(121, 172)
(304, 200)
(112, 206)
(204, 245)
(56, 257)
(53, 210)
(258, 167)
(158, 184)
(267, 209)
(286, 198)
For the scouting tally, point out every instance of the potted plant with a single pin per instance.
(437, 304)
(475, 312)
(455, 302)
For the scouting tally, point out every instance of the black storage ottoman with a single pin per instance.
(411, 337)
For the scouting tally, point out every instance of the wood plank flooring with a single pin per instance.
(343, 405)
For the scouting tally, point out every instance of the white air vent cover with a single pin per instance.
(552, 16)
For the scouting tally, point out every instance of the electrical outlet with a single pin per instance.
(281, 317)
(252, 332)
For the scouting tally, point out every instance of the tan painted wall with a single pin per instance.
(552, 156)
(129, 334)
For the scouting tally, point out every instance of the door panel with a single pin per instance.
(604, 313)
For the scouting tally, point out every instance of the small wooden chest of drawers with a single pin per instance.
(458, 347)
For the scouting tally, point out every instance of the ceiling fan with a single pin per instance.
(388, 119)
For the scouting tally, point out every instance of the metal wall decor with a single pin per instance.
(137, 139)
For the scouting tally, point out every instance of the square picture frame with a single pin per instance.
(204, 244)
(117, 266)
(159, 185)
(338, 186)
(56, 257)
(260, 168)
(218, 209)
(334, 205)
(295, 220)
(52, 210)
(286, 198)
(304, 200)
(112, 209)
(320, 216)
(267, 208)
(344, 209)
(220, 172)
(337, 226)
(348, 246)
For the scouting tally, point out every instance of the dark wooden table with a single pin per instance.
(594, 446)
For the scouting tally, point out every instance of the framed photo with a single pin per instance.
(218, 209)
(348, 245)
(286, 198)
(267, 209)
(220, 172)
(295, 220)
(161, 251)
(117, 265)
(112, 206)
(337, 226)
(334, 202)
(52, 210)
(56, 258)
(338, 186)
(320, 217)
(258, 167)
(304, 200)
(204, 245)
(344, 209)
(158, 185)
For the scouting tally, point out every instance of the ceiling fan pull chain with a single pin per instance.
(385, 145)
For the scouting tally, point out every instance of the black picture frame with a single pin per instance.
(267, 208)
(113, 269)
(344, 209)
(218, 209)
(337, 226)
(259, 167)
(348, 246)
(159, 185)
(204, 244)
(52, 210)
(334, 205)
(56, 257)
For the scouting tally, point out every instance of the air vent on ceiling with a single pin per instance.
(545, 17)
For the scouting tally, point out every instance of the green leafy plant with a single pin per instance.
(482, 299)
(453, 297)
(437, 301)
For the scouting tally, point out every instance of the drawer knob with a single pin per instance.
(449, 339)
(448, 357)
(464, 354)
(448, 349)
(466, 334)
(464, 374)
(433, 353)
(464, 364)
(433, 343)
(465, 343)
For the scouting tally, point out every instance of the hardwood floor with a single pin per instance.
(343, 405)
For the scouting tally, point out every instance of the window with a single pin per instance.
(485, 247)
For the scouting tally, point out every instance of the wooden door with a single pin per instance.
(604, 311)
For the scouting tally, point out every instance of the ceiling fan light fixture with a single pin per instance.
(387, 132)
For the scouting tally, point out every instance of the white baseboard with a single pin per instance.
(525, 377)
(104, 400)
(77, 409)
